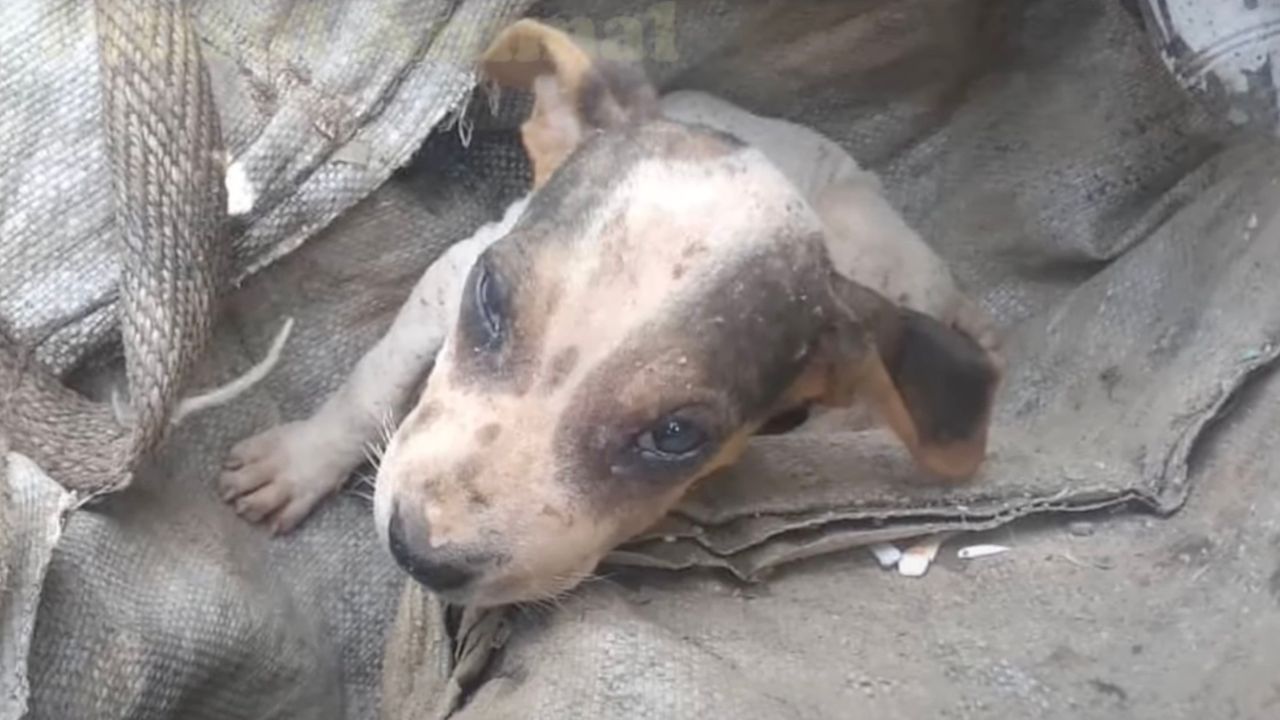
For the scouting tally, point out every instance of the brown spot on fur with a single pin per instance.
(474, 497)
(467, 470)
(550, 297)
(693, 249)
(487, 434)
(551, 512)
(613, 263)
(560, 366)
(464, 476)
(677, 272)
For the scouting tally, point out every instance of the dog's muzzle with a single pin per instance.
(444, 569)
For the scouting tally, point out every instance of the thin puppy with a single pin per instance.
(664, 292)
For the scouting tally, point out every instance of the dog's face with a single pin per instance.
(665, 294)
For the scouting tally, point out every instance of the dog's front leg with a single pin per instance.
(280, 475)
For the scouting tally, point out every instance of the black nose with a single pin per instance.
(408, 539)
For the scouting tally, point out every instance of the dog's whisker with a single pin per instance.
(363, 495)
(551, 603)
(538, 607)
(599, 579)
(568, 583)
(387, 425)
(552, 600)
(374, 454)
(365, 480)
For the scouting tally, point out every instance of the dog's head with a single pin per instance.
(665, 294)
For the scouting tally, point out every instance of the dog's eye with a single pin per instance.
(489, 303)
(673, 438)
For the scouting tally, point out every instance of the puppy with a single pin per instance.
(664, 291)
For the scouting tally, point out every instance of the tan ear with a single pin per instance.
(933, 385)
(573, 93)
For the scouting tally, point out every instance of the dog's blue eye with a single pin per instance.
(672, 438)
(488, 302)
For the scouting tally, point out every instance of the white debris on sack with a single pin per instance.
(916, 560)
(240, 193)
(887, 554)
(972, 552)
(1080, 528)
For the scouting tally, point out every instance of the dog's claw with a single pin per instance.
(278, 476)
(289, 516)
(263, 502)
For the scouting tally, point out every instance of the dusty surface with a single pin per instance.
(1143, 618)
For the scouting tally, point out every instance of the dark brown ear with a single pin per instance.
(574, 94)
(933, 385)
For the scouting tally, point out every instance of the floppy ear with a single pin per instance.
(574, 94)
(933, 385)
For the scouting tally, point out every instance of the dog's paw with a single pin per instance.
(277, 477)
